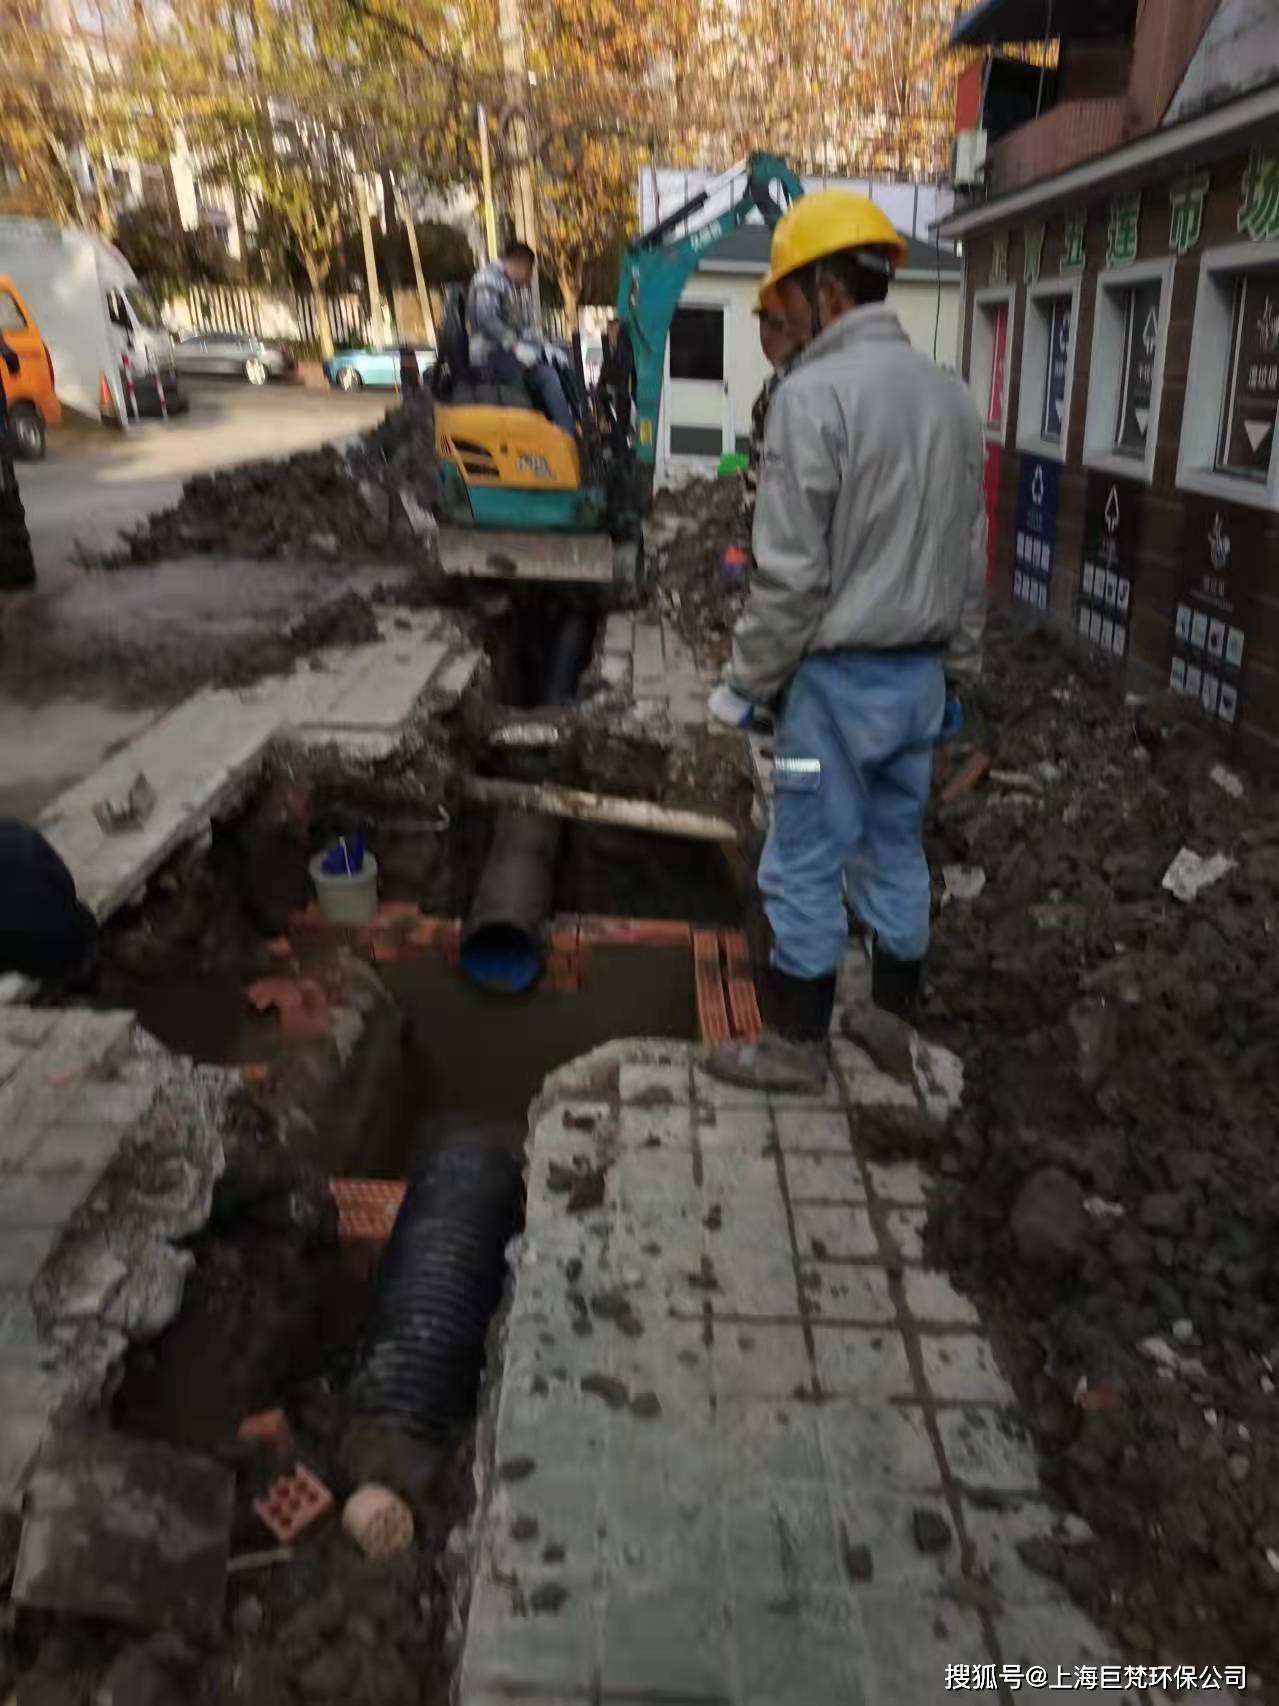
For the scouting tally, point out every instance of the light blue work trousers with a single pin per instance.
(853, 764)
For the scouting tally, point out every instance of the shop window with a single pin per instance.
(1048, 368)
(1228, 437)
(1125, 383)
(990, 362)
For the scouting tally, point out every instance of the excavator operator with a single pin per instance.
(505, 346)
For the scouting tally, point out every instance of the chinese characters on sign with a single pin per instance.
(1072, 252)
(990, 1678)
(1057, 378)
(1140, 347)
(1209, 640)
(1259, 206)
(1121, 233)
(1187, 198)
(1035, 543)
(999, 260)
(1249, 428)
(1034, 244)
(1110, 555)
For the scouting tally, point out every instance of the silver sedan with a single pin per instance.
(239, 354)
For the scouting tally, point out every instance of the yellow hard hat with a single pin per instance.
(767, 301)
(825, 223)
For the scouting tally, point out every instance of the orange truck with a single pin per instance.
(30, 399)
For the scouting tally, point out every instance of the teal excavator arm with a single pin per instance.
(655, 271)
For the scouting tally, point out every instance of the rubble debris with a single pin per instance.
(1227, 781)
(335, 502)
(690, 587)
(162, 1671)
(1161, 1205)
(1189, 874)
(962, 882)
(931, 1530)
(118, 816)
(972, 775)
(130, 1531)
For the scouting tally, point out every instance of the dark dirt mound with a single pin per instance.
(694, 586)
(344, 621)
(331, 503)
(1112, 1180)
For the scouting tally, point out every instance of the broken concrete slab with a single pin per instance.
(128, 1530)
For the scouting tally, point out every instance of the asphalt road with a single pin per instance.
(96, 480)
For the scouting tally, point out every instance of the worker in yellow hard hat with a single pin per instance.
(867, 599)
(780, 349)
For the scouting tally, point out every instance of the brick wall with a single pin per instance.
(1168, 35)
(1072, 131)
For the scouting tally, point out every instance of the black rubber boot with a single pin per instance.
(894, 983)
(792, 1054)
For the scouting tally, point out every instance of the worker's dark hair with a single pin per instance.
(516, 250)
(864, 274)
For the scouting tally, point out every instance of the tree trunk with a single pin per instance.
(570, 291)
(323, 331)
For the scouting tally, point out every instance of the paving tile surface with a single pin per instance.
(731, 1464)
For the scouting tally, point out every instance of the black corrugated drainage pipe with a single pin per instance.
(421, 1354)
(503, 941)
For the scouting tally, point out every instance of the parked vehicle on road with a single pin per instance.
(30, 398)
(233, 354)
(94, 316)
(349, 369)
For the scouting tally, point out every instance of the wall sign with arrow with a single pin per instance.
(1035, 539)
(1210, 648)
(1141, 346)
(1112, 517)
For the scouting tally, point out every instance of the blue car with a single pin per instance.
(350, 369)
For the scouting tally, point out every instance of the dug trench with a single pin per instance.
(367, 1054)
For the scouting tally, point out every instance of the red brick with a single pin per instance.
(441, 935)
(271, 1426)
(293, 1503)
(712, 1014)
(393, 912)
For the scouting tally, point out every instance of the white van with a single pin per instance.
(93, 314)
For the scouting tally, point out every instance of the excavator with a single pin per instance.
(522, 500)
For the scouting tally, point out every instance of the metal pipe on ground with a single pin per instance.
(503, 940)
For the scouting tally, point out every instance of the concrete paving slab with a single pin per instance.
(128, 1530)
(765, 1424)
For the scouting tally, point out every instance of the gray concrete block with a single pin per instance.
(656, 1083)
(812, 1650)
(883, 1521)
(911, 1638)
(852, 1291)
(30, 1198)
(770, 1441)
(932, 1299)
(877, 1445)
(670, 1128)
(755, 1282)
(868, 1364)
(988, 1450)
(902, 1182)
(961, 1368)
(813, 1129)
(83, 1147)
(741, 1131)
(824, 1179)
(758, 1361)
(838, 1232)
(511, 1645)
(1056, 1639)
(906, 1228)
(668, 1639)
(562, 1511)
(23, 1252)
(787, 1530)
(29, 1399)
(997, 1531)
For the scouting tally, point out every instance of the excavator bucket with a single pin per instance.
(590, 559)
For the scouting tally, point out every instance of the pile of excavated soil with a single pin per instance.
(1110, 1189)
(334, 503)
(694, 586)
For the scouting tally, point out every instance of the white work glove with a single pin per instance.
(727, 705)
(528, 355)
(560, 357)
